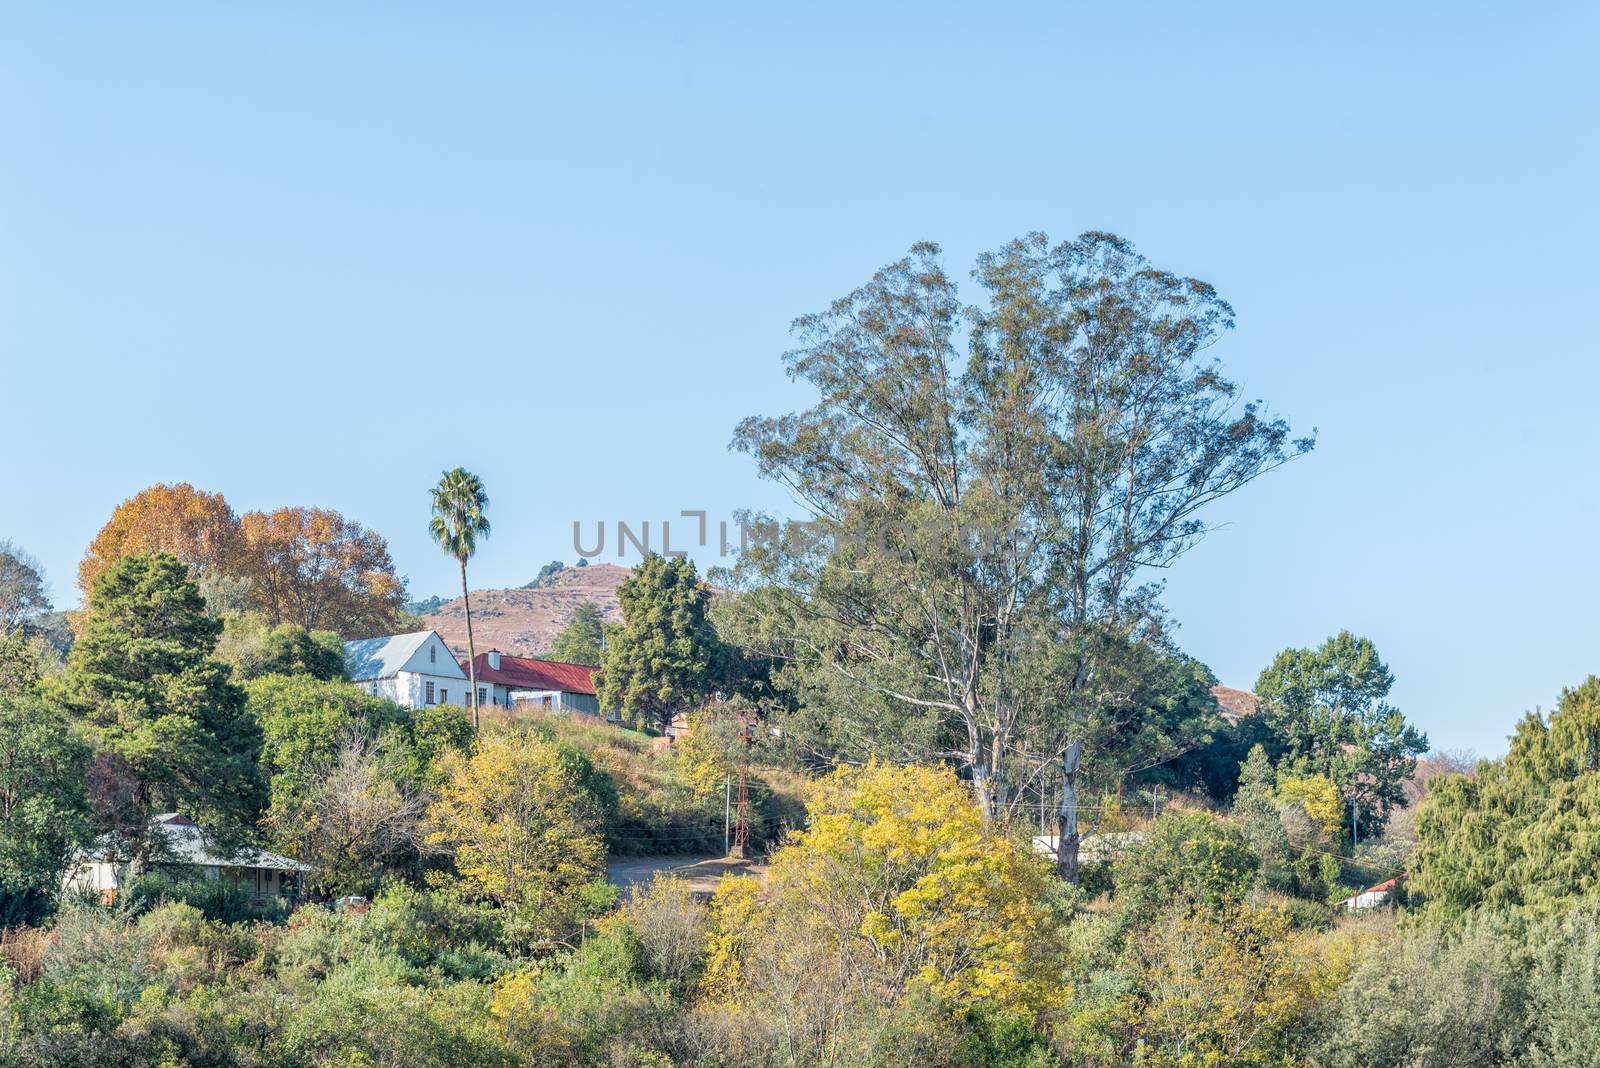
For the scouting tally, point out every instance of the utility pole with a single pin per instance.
(1355, 824)
(726, 811)
(741, 824)
(741, 827)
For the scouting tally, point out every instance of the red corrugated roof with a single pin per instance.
(525, 673)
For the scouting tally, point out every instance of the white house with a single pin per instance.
(179, 846)
(414, 670)
(1370, 898)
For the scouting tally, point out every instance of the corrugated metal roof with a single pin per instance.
(382, 658)
(178, 840)
(526, 673)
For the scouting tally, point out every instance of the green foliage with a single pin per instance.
(1521, 832)
(1190, 858)
(23, 596)
(303, 720)
(665, 656)
(252, 647)
(219, 900)
(460, 506)
(582, 640)
(1327, 707)
(144, 687)
(983, 509)
(1434, 997)
(43, 806)
(25, 662)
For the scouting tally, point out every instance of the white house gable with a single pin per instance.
(415, 670)
(433, 658)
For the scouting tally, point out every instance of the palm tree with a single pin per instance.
(459, 503)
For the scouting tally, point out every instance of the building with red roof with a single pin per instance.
(505, 680)
(1371, 897)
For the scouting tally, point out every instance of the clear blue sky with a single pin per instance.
(306, 258)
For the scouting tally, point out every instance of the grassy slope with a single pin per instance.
(657, 809)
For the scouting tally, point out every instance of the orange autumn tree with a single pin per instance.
(198, 528)
(316, 569)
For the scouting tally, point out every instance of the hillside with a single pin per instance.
(526, 622)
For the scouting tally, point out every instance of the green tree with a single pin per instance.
(292, 650)
(1192, 858)
(459, 521)
(583, 639)
(22, 589)
(971, 506)
(252, 647)
(1435, 997)
(43, 807)
(145, 689)
(24, 663)
(1328, 707)
(1521, 832)
(664, 657)
(303, 722)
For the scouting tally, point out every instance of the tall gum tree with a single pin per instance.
(971, 516)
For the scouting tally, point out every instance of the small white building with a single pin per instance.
(180, 847)
(1099, 848)
(1370, 898)
(414, 670)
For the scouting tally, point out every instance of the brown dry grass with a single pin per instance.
(23, 949)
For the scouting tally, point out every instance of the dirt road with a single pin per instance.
(701, 873)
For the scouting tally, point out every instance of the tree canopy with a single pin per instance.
(1329, 711)
(197, 527)
(22, 590)
(976, 515)
(1520, 832)
(582, 640)
(316, 569)
(43, 806)
(169, 730)
(664, 656)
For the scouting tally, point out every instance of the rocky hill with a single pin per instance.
(525, 622)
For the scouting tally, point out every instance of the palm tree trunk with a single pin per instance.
(472, 650)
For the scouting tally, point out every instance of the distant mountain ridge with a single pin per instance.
(525, 622)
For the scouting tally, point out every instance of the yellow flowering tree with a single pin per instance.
(897, 889)
(524, 830)
(1319, 797)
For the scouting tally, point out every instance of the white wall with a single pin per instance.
(408, 688)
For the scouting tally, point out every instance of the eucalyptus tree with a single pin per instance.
(459, 521)
(971, 513)
(23, 595)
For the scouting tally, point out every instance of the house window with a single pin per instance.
(433, 654)
(444, 696)
(483, 695)
(544, 701)
(427, 693)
